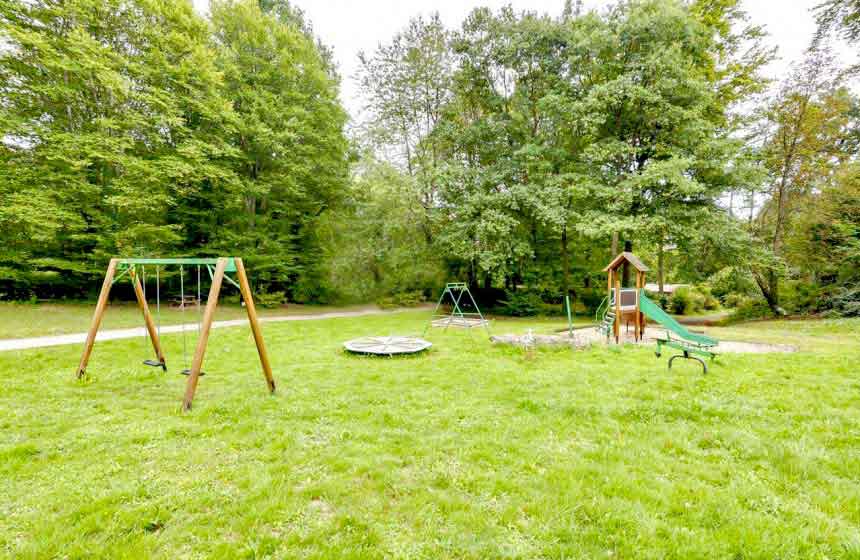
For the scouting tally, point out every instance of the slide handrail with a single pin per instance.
(601, 312)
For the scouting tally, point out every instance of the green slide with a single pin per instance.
(688, 342)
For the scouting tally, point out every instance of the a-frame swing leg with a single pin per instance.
(147, 317)
(484, 322)
(205, 327)
(457, 309)
(97, 317)
(435, 312)
(248, 297)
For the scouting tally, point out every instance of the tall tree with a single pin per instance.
(664, 79)
(405, 85)
(804, 130)
(292, 161)
(111, 107)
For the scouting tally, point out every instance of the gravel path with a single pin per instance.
(116, 334)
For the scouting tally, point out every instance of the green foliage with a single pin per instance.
(751, 308)
(402, 299)
(374, 246)
(522, 303)
(688, 300)
(846, 301)
(270, 299)
(291, 164)
(132, 128)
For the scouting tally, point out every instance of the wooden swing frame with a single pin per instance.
(222, 265)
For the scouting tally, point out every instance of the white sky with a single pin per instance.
(350, 26)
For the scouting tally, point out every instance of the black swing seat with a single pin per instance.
(155, 363)
(188, 372)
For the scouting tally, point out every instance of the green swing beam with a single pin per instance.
(231, 262)
(126, 265)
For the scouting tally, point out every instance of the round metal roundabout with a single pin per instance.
(387, 345)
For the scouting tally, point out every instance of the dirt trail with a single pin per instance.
(116, 334)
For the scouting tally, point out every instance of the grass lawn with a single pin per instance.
(470, 451)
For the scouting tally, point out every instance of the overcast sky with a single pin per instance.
(351, 26)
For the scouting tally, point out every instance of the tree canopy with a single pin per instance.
(516, 151)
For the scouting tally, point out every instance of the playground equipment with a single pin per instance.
(687, 342)
(569, 315)
(222, 265)
(460, 297)
(622, 305)
(387, 345)
(626, 305)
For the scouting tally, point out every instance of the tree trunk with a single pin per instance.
(769, 290)
(614, 249)
(660, 264)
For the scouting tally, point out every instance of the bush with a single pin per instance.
(692, 299)
(734, 300)
(731, 281)
(685, 301)
(680, 301)
(709, 302)
(801, 297)
(402, 299)
(846, 302)
(522, 304)
(591, 299)
(749, 308)
(270, 299)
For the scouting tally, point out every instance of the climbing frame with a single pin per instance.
(458, 296)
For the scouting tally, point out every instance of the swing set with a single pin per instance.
(218, 268)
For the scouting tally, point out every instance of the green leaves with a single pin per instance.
(133, 128)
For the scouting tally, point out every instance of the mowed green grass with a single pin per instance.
(469, 451)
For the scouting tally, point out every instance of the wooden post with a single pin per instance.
(97, 317)
(617, 306)
(248, 297)
(636, 321)
(147, 317)
(639, 311)
(208, 315)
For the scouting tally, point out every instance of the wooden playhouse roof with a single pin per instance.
(628, 257)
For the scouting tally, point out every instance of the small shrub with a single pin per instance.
(402, 299)
(734, 300)
(751, 308)
(846, 302)
(590, 299)
(709, 302)
(270, 299)
(686, 300)
(522, 304)
(802, 297)
(680, 301)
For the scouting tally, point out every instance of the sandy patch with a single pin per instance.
(591, 335)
